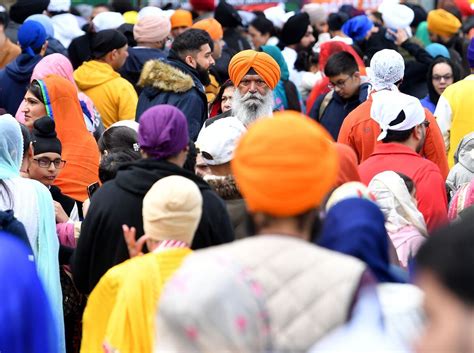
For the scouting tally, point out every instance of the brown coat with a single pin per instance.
(8, 53)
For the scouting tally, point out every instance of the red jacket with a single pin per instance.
(429, 184)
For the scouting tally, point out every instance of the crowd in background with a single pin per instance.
(214, 179)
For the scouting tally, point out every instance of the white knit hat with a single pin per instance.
(108, 20)
(386, 107)
(218, 141)
(172, 209)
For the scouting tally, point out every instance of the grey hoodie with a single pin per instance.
(463, 171)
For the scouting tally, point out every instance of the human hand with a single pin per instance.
(134, 246)
(61, 215)
(401, 36)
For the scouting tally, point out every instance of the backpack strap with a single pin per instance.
(324, 104)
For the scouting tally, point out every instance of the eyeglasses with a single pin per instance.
(438, 78)
(44, 162)
(340, 84)
(258, 83)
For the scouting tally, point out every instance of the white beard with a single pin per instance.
(250, 107)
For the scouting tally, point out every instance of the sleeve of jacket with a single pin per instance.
(128, 101)
(432, 199)
(196, 113)
(314, 112)
(433, 148)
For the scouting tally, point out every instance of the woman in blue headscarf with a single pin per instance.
(285, 94)
(33, 206)
(356, 227)
(27, 324)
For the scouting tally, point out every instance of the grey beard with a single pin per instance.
(248, 111)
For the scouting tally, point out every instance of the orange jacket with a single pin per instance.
(360, 132)
(79, 148)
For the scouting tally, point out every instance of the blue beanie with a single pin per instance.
(357, 27)
(46, 22)
(436, 49)
(470, 54)
(31, 36)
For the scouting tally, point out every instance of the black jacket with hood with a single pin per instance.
(119, 201)
(176, 83)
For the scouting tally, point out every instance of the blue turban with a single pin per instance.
(46, 22)
(357, 27)
(31, 36)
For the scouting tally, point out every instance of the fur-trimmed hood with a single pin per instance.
(225, 187)
(165, 77)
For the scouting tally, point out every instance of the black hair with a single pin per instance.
(119, 139)
(191, 41)
(110, 164)
(263, 25)
(434, 96)
(218, 99)
(341, 63)
(35, 90)
(26, 139)
(190, 163)
(408, 182)
(336, 20)
(4, 19)
(448, 255)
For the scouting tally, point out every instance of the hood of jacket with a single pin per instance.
(224, 186)
(137, 57)
(94, 73)
(163, 76)
(464, 154)
(22, 67)
(138, 177)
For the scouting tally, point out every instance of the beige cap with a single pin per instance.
(172, 209)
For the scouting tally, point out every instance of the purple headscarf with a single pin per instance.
(163, 131)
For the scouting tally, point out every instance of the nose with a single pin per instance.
(313, 38)
(211, 61)
(253, 87)
(51, 167)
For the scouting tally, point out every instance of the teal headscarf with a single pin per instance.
(423, 34)
(47, 248)
(276, 54)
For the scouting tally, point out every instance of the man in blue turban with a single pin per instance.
(15, 78)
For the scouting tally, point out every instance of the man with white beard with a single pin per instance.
(255, 75)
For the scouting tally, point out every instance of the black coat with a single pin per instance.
(119, 201)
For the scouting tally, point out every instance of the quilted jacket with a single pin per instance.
(309, 290)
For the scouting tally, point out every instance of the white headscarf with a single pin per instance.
(212, 305)
(386, 107)
(11, 147)
(396, 203)
(386, 67)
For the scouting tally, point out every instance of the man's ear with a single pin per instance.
(30, 151)
(417, 133)
(190, 61)
(44, 48)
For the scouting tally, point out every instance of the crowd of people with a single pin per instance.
(213, 179)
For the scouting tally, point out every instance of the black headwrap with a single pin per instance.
(295, 28)
(105, 41)
(23, 9)
(44, 137)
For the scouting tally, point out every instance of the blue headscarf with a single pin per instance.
(357, 27)
(356, 227)
(436, 49)
(26, 319)
(31, 36)
(47, 248)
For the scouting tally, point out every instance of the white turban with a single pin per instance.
(107, 20)
(397, 16)
(386, 107)
(386, 68)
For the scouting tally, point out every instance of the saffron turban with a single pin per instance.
(285, 165)
(265, 66)
(443, 23)
(212, 27)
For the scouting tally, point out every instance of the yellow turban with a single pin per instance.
(443, 23)
(285, 165)
(212, 27)
(265, 66)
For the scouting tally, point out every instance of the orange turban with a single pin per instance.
(285, 165)
(181, 18)
(443, 23)
(212, 27)
(265, 66)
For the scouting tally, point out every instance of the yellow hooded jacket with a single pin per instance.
(121, 309)
(114, 97)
